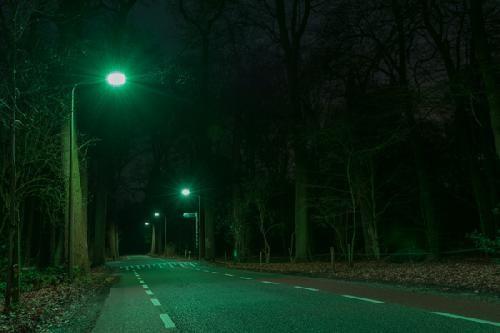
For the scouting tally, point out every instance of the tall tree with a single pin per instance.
(292, 20)
(489, 70)
(202, 16)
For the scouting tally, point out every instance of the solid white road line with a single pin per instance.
(149, 292)
(167, 321)
(145, 286)
(311, 289)
(363, 299)
(246, 278)
(479, 321)
(155, 302)
(228, 274)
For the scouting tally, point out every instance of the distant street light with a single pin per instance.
(157, 214)
(187, 192)
(146, 224)
(115, 79)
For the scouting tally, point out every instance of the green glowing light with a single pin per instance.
(185, 192)
(116, 79)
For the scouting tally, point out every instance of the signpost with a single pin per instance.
(197, 221)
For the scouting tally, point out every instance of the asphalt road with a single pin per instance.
(157, 295)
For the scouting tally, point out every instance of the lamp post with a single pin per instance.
(115, 79)
(157, 215)
(187, 192)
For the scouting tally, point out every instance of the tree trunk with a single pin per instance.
(82, 256)
(209, 233)
(351, 241)
(159, 233)
(29, 215)
(52, 244)
(487, 66)
(239, 227)
(12, 289)
(59, 233)
(425, 186)
(291, 30)
(201, 231)
(301, 221)
(78, 229)
(101, 204)
(365, 194)
(153, 239)
(470, 152)
(112, 241)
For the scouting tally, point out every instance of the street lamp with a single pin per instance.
(146, 224)
(157, 214)
(115, 79)
(187, 192)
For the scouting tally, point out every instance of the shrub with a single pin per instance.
(33, 279)
(486, 244)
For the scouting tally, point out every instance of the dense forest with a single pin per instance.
(368, 127)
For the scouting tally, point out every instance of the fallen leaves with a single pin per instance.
(479, 276)
(53, 306)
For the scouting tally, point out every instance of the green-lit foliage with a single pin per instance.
(486, 244)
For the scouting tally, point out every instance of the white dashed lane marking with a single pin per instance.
(167, 321)
(269, 282)
(363, 299)
(169, 324)
(306, 288)
(479, 321)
